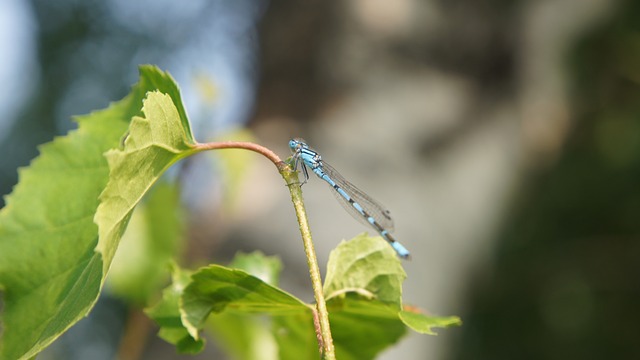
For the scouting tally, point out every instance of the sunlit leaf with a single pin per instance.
(155, 142)
(216, 288)
(296, 337)
(364, 291)
(240, 329)
(248, 336)
(362, 328)
(368, 266)
(265, 268)
(50, 273)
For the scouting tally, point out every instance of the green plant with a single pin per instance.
(64, 221)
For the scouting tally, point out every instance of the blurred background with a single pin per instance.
(504, 136)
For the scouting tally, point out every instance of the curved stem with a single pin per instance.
(275, 159)
(290, 176)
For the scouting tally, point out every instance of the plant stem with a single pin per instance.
(291, 178)
(275, 159)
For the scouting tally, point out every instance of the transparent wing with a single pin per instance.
(372, 207)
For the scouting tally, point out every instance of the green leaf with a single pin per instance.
(368, 266)
(49, 272)
(140, 267)
(248, 336)
(362, 323)
(216, 288)
(363, 287)
(423, 324)
(265, 268)
(362, 328)
(296, 337)
(243, 336)
(154, 143)
(167, 314)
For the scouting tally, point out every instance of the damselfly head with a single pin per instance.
(296, 144)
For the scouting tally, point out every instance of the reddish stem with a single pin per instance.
(275, 159)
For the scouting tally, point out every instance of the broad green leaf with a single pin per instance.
(49, 272)
(154, 143)
(423, 323)
(296, 337)
(248, 336)
(368, 266)
(256, 337)
(140, 266)
(216, 288)
(265, 268)
(166, 314)
(362, 328)
(362, 323)
(364, 288)
(243, 336)
(364, 291)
